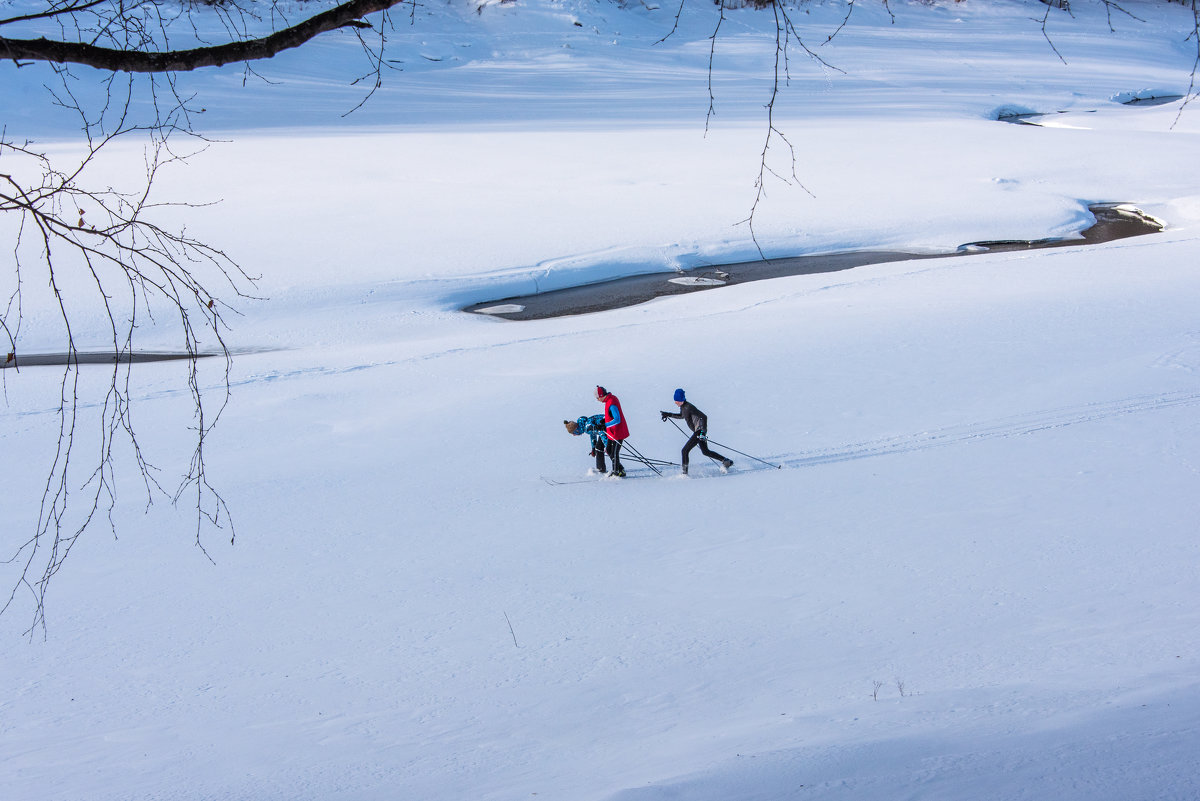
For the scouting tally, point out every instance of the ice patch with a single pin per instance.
(691, 280)
(1147, 97)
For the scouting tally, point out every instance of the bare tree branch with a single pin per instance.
(107, 240)
(107, 250)
(1194, 36)
(1045, 21)
(347, 14)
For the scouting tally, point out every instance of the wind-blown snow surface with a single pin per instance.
(975, 575)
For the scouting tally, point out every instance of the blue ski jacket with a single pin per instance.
(594, 427)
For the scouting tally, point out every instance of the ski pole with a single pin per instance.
(633, 457)
(664, 462)
(660, 462)
(639, 457)
(748, 456)
(728, 448)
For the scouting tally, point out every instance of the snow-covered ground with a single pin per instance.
(975, 576)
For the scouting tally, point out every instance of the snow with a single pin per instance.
(975, 575)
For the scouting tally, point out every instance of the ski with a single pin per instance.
(721, 471)
(554, 482)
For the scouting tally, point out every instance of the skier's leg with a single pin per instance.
(687, 448)
(725, 461)
(711, 454)
(611, 448)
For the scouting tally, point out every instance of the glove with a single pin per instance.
(593, 453)
(702, 434)
(664, 416)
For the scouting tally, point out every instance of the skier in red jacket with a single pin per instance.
(615, 428)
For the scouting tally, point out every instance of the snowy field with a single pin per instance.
(975, 576)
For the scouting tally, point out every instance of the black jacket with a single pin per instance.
(695, 419)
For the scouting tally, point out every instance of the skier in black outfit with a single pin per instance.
(697, 421)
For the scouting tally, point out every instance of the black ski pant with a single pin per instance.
(599, 454)
(695, 440)
(614, 453)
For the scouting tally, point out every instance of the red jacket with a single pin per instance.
(614, 419)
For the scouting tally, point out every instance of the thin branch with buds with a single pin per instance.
(103, 249)
(107, 240)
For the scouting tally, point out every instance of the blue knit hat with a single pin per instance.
(679, 396)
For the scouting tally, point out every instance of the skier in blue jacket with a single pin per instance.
(593, 426)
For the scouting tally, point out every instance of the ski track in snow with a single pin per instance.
(1003, 428)
(1015, 426)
